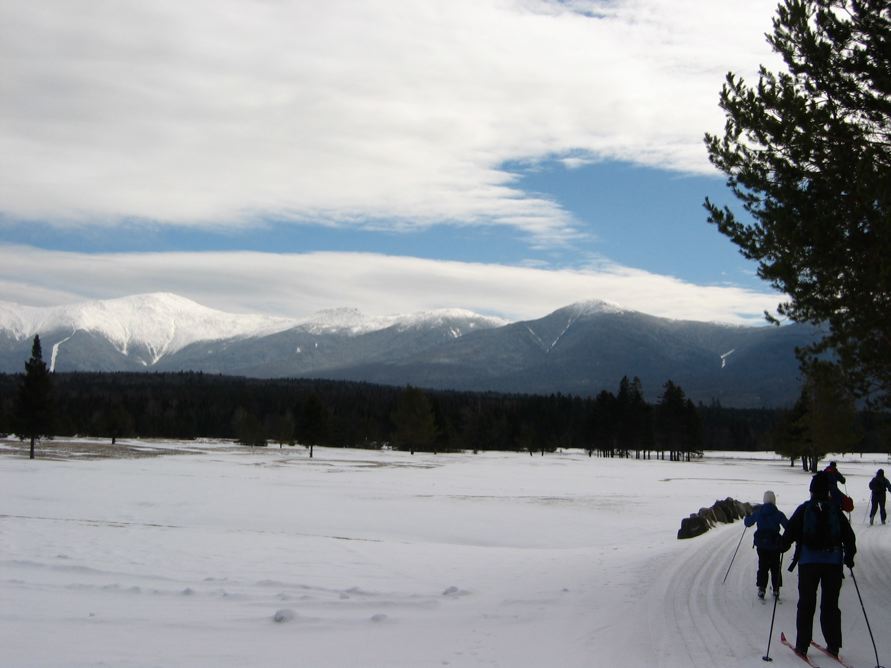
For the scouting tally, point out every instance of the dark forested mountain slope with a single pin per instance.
(580, 349)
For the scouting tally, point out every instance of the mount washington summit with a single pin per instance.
(579, 349)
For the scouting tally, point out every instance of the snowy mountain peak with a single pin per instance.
(160, 323)
(453, 317)
(593, 307)
(149, 327)
(352, 321)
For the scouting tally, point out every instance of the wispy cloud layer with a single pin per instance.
(225, 112)
(298, 285)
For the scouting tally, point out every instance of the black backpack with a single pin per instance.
(822, 526)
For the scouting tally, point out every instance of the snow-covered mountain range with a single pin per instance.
(580, 349)
(159, 323)
(353, 321)
(150, 328)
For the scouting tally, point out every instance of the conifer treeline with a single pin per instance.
(349, 414)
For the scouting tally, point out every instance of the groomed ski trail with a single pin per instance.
(688, 618)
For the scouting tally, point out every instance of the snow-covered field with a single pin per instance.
(219, 555)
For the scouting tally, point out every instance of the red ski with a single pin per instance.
(803, 657)
(831, 656)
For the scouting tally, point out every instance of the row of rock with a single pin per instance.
(726, 511)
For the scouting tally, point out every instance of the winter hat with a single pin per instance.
(881, 472)
(832, 465)
(820, 485)
(770, 497)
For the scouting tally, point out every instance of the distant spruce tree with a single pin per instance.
(830, 418)
(604, 423)
(635, 427)
(34, 405)
(790, 437)
(414, 424)
(249, 430)
(314, 427)
(675, 427)
(823, 420)
(281, 428)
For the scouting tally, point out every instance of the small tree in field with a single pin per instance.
(789, 436)
(414, 424)
(830, 420)
(34, 412)
(823, 420)
(315, 423)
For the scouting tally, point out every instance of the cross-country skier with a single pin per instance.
(767, 542)
(824, 541)
(877, 486)
(835, 477)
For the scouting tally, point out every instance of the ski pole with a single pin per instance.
(773, 615)
(868, 627)
(734, 555)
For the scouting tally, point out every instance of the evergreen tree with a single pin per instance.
(414, 426)
(673, 422)
(315, 423)
(829, 421)
(249, 430)
(34, 408)
(527, 439)
(190, 405)
(635, 426)
(604, 423)
(789, 436)
(281, 428)
(112, 420)
(693, 427)
(823, 420)
(807, 152)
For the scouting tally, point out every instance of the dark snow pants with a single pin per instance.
(768, 562)
(829, 578)
(878, 503)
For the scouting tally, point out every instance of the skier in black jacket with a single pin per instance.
(877, 486)
(824, 541)
(835, 477)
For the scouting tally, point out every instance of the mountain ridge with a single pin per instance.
(581, 348)
(166, 323)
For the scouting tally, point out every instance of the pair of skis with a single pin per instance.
(817, 645)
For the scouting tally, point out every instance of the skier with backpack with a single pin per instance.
(767, 542)
(877, 487)
(835, 477)
(824, 541)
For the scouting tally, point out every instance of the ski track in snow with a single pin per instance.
(704, 622)
(185, 575)
(700, 626)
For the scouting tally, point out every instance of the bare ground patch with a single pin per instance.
(60, 449)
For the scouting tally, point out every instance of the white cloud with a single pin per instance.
(298, 285)
(221, 112)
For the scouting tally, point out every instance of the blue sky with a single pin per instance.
(635, 216)
(506, 156)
